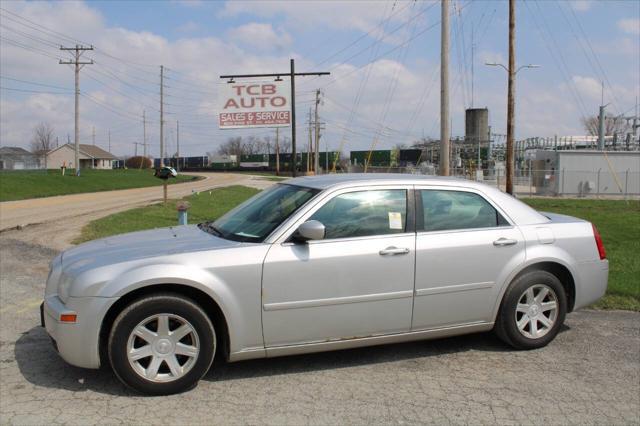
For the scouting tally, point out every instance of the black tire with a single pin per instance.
(149, 306)
(506, 326)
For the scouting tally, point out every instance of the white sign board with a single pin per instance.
(255, 104)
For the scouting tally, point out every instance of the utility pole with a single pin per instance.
(277, 151)
(601, 128)
(144, 133)
(511, 97)
(444, 90)
(161, 115)
(136, 147)
(78, 51)
(292, 74)
(310, 146)
(473, 46)
(316, 166)
(109, 137)
(178, 145)
(93, 135)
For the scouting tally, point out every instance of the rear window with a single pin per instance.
(452, 210)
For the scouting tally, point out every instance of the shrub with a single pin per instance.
(138, 162)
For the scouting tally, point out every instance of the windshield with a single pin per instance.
(257, 217)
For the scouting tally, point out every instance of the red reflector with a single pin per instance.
(68, 317)
(601, 250)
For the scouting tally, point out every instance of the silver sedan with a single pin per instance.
(318, 264)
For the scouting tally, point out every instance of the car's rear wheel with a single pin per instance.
(532, 311)
(162, 344)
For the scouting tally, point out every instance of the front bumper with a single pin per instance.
(78, 342)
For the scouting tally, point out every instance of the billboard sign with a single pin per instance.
(254, 104)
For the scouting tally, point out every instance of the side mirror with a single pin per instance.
(310, 230)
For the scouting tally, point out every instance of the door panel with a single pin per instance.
(326, 290)
(357, 282)
(459, 271)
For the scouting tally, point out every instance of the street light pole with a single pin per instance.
(511, 105)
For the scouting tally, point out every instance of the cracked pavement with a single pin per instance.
(589, 375)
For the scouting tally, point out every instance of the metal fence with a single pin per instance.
(550, 183)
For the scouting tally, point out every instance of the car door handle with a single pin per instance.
(393, 251)
(504, 242)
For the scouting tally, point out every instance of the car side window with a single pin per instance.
(450, 210)
(364, 213)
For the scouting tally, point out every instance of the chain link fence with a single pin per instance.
(549, 183)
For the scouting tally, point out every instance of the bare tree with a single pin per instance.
(611, 125)
(42, 140)
(233, 146)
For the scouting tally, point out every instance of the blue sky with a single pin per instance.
(389, 48)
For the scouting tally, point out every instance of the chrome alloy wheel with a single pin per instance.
(163, 347)
(537, 311)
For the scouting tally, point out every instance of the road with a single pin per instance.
(56, 221)
(589, 375)
(41, 210)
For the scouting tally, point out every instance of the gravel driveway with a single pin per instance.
(589, 374)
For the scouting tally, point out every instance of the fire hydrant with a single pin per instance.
(183, 206)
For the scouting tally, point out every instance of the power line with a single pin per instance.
(33, 91)
(34, 83)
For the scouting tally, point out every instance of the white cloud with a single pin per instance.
(581, 5)
(588, 87)
(629, 26)
(262, 36)
(358, 15)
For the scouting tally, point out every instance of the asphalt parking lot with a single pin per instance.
(589, 375)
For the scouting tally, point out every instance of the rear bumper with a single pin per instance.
(77, 343)
(592, 283)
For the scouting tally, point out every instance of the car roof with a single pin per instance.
(519, 212)
(353, 179)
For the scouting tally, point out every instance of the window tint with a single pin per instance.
(445, 210)
(363, 213)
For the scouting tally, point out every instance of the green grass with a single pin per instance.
(208, 205)
(274, 178)
(25, 184)
(619, 225)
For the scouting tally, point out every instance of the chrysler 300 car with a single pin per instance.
(316, 264)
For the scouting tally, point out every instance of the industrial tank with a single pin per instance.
(476, 125)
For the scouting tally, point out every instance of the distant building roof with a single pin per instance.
(97, 152)
(90, 151)
(13, 150)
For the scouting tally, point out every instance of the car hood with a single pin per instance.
(140, 245)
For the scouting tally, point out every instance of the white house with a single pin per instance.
(91, 157)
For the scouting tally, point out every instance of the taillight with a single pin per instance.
(601, 251)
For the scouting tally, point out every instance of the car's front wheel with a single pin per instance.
(532, 311)
(162, 344)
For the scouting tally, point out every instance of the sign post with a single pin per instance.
(264, 104)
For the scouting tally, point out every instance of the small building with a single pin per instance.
(91, 157)
(586, 172)
(16, 158)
